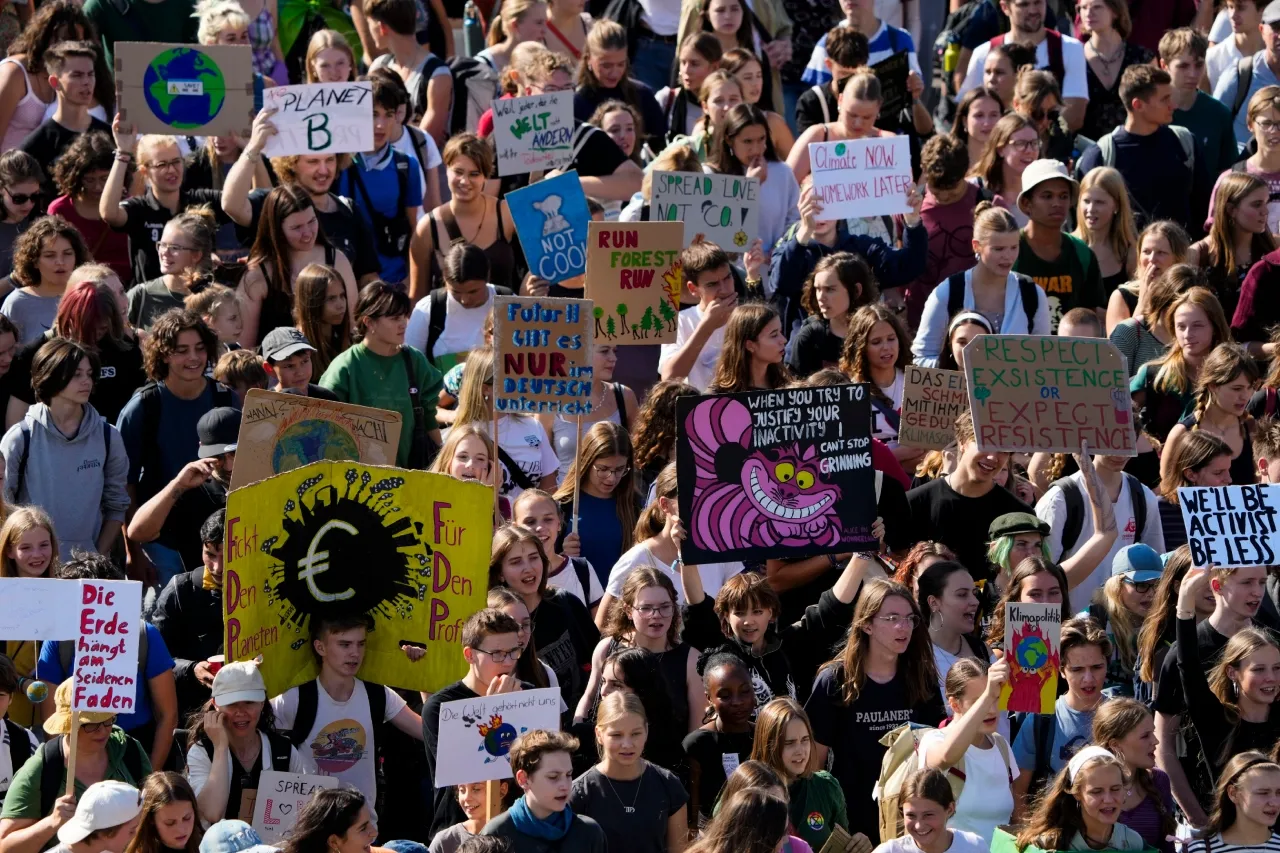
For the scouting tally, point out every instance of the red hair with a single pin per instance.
(80, 315)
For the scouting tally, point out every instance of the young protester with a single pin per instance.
(169, 822)
(838, 286)
(1125, 728)
(1243, 18)
(654, 431)
(219, 307)
(20, 180)
(1034, 579)
(1014, 145)
(186, 250)
(106, 818)
(949, 605)
(1144, 337)
(44, 257)
(70, 66)
(410, 140)
(1159, 629)
(622, 123)
(724, 741)
(752, 820)
(393, 27)
(287, 356)
(1238, 236)
(473, 799)
(700, 331)
(749, 71)
(320, 313)
(784, 741)
(80, 174)
(963, 328)
(538, 511)
(699, 54)
(604, 75)
(742, 145)
(752, 354)
(530, 669)
(1104, 222)
(515, 24)
(1252, 74)
(17, 743)
(1242, 802)
(617, 405)
(1223, 388)
(1000, 71)
(1121, 606)
(451, 321)
(928, 804)
(976, 117)
(1098, 784)
(329, 58)
(875, 353)
(720, 92)
(1182, 55)
(1203, 459)
(28, 546)
(602, 481)
(1108, 54)
(333, 819)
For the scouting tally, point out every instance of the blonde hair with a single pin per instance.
(324, 40)
(148, 144)
(217, 15)
(20, 522)
(614, 707)
(1122, 623)
(990, 219)
(457, 434)
(210, 299)
(1172, 373)
(476, 373)
(674, 158)
(1057, 817)
(512, 12)
(1239, 649)
(1122, 236)
(653, 518)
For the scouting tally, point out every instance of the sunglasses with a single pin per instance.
(1041, 115)
(23, 198)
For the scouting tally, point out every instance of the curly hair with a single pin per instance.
(162, 341)
(90, 152)
(618, 624)
(854, 359)
(653, 436)
(29, 245)
(63, 20)
(286, 168)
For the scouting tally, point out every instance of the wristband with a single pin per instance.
(124, 156)
(1180, 615)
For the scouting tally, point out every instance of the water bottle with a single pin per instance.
(472, 30)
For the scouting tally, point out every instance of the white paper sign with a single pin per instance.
(1231, 526)
(476, 734)
(854, 178)
(723, 208)
(534, 133)
(320, 118)
(280, 798)
(109, 617)
(39, 609)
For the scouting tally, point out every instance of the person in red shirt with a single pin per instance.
(80, 175)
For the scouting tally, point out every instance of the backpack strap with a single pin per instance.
(19, 745)
(1030, 296)
(437, 302)
(1003, 746)
(955, 295)
(1188, 143)
(1053, 46)
(106, 447)
(518, 476)
(1074, 522)
(1244, 80)
(419, 453)
(1043, 726)
(133, 760)
(1138, 498)
(308, 704)
(22, 467)
(150, 399)
(583, 570)
(822, 102)
(281, 751)
(621, 400)
(377, 703)
(52, 769)
(1107, 150)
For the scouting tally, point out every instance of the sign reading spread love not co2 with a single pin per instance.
(861, 177)
(320, 118)
(723, 208)
(533, 133)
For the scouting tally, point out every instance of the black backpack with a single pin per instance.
(475, 84)
(309, 703)
(439, 316)
(153, 479)
(53, 770)
(19, 745)
(1074, 496)
(1026, 287)
(1244, 80)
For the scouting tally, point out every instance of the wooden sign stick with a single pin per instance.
(577, 456)
(71, 753)
(497, 468)
(492, 797)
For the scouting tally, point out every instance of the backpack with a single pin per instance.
(153, 479)
(946, 54)
(1053, 46)
(1027, 290)
(438, 300)
(390, 233)
(899, 762)
(52, 783)
(1107, 147)
(309, 704)
(19, 745)
(1244, 80)
(475, 84)
(1074, 495)
(26, 452)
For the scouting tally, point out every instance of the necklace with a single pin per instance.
(627, 809)
(1107, 61)
(484, 214)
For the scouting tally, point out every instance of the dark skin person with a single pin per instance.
(733, 698)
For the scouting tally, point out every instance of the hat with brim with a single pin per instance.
(1271, 14)
(1137, 563)
(1041, 171)
(1013, 523)
(59, 722)
(238, 682)
(104, 805)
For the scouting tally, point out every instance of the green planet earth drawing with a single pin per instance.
(1032, 653)
(184, 87)
(314, 440)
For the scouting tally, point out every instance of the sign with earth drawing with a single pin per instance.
(407, 549)
(1032, 642)
(476, 734)
(186, 89)
(634, 281)
(281, 432)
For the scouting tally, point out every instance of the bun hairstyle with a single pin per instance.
(990, 219)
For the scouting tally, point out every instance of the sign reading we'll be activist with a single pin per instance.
(106, 658)
(542, 358)
(320, 118)
(725, 209)
(1033, 393)
(534, 133)
(1231, 526)
(862, 177)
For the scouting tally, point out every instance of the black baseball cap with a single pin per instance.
(219, 430)
(284, 341)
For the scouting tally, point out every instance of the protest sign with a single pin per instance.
(551, 217)
(320, 118)
(281, 432)
(1033, 393)
(476, 734)
(533, 133)
(110, 616)
(186, 89)
(39, 609)
(409, 549)
(1231, 526)
(932, 399)
(1032, 638)
(856, 178)
(542, 355)
(775, 473)
(892, 74)
(723, 208)
(634, 281)
(278, 800)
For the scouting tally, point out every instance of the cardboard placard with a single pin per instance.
(187, 89)
(407, 548)
(723, 208)
(892, 73)
(542, 355)
(551, 217)
(1033, 393)
(634, 280)
(110, 617)
(281, 432)
(320, 118)
(797, 463)
(476, 734)
(932, 399)
(1032, 639)
(39, 609)
(280, 798)
(855, 178)
(1231, 526)
(533, 133)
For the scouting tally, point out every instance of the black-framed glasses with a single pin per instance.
(24, 198)
(1041, 115)
(96, 727)
(501, 655)
(605, 471)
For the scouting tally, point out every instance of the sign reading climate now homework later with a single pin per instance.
(861, 177)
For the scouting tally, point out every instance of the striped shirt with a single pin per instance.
(881, 45)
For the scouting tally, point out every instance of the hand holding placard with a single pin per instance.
(862, 177)
(321, 118)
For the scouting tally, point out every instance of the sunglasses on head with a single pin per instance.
(23, 198)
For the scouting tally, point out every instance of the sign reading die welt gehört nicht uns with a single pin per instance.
(1231, 526)
(551, 217)
(106, 656)
(186, 89)
(775, 473)
(320, 118)
(542, 355)
(932, 399)
(634, 280)
(476, 734)
(725, 209)
(862, 177)
(533, 133)
(1033, 393)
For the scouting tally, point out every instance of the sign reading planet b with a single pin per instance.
(187, 89)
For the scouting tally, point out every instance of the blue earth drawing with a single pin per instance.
(1032, 653)
(183, 65)
(313, 440)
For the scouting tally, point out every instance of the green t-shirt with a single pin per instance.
(817, 807)
(360, 376)
(1072, 280)
(165, 21)
(1209, 121)
(22, 802)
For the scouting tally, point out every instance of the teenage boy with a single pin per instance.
(1182, 55)
(491, 647)
(1246, 40)
(16, 742)
(1266, 449)
(393, 26)
(1239, 84)
(71, 76)
(287, 356)
(947, 216)
(337, 716)
(105, 820)
(846, 50)
(413, 142)
(241, 370)
(958, 509)
(700, 328)
(1080, 323)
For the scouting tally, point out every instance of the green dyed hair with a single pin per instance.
(998, 552)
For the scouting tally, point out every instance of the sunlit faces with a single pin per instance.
(694, 68)
(1245, 15)
(331, 65)
(294, 371)
(335, 303)
(1021, 150)
(883, 346)
(1233, 396)
(1095, 15)
(891, 628)
(831, 295)
(858, 117)
(232, 35)
(211, 557)
(559, 81)
(1154, 254)
(471, 460)
(466, 181)
(1256, 795)
(56, 261)
(384, 122)
(300, 230)
(620, 126)
(797, 745)
(342, 651)
(163, 167)
(731, 694)
(749, 145)
(531, 25)
(1242, 590)
(315, 172)
(33, 553)
(189, 358)
(925, 821)
(387, 331)
(725, 16)
(542, 516)
(1185, 70)
(1138, 597)
(958, 604)
(1026, 16)
(1271, 39)
(519, 612)
(609, 67)
(547, 789)
(605, 474)
(1265, 128)
(80, 386)
(1101, 790)
(770, 345)
(1192, 331)
(1042, 588)
(623, 739)
(522, 568)
(359, 838)
(604, 358)
(1138, 747)
(76, 80)
(720, 98)
(751, 77)
(119, 840)
(980, 466)
(226, 322)
(494, 656)
(966, 332)
(242, 717)
(473, 799)
(652, 613)
(1216, 473)
(175, 249)
(1085, 670)
(750, 622)
(175, 823)
(973, 693)
(1025, 545)
(997, 74)
(712, 285)
(1099, 209)
(20, 199)
(1049, 203)
(1250, 215)
(612, 680)
(982, 118)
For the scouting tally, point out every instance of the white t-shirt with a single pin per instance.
(881, 427)
(340, 742)
(986, 800)
(1075, 82)
(565, 435)
(704, 366)
(463, 327)
(662, 17)
(7, 770)
(526, 443)
(713, 574)
(961, 842)
(1221, 29)
(199, 764)
(567, 580)
(1222, 57)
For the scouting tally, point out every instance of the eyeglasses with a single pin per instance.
(90, 728)
(501, 655)
(173, 247)
(894, 620)
(24, 198)
(1266, 125)
(1024, 144)
(1143, 588)
(654, 610)
(166, 164)
(602, 471)
(1041, 115)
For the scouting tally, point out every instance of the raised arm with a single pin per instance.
(111, 203)
(239, 180)
(1080, 565)
(957, 737)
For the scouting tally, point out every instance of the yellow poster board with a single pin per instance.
(408, 548)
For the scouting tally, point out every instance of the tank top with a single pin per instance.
(502, 257)
(277, 305)
(564, 431)
(1111, 282)
(1242, 471)
(26, 116)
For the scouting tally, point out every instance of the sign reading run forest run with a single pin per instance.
(634, 281)
(1033, 393)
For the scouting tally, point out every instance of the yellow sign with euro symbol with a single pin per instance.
(407, 549)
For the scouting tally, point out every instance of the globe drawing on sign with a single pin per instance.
(184, 88)
(312, 440)
(1032, 653)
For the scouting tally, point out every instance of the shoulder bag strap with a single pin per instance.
(418, 452)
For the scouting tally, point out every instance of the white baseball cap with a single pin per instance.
(102, 806)
(238, 682)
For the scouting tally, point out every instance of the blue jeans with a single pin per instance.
(653, 63)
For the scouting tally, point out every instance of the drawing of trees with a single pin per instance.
(610, 331)
(649, 321)
(635, 331)
(598, 313)
(668, 314)
(622, 314)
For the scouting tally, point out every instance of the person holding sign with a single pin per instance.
(1223, 388)
(617, 404)
(106, 820)
(742, 146)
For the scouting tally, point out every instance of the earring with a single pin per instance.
(933, 629)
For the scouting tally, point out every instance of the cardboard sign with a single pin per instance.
(892, 73)
(476, 734)
(534, 133)
(634, 279)
(1032, 634)
(280, 798)
(110, 617)
(1231, 526)
(1034, 393)
(542, 360)
(782, 473)
(723, 208)
(39, 609)
(551, 217)
(320, 118)
(187, 89)
(932, 399)
(281, 432)
(408, 548)
(855, 178)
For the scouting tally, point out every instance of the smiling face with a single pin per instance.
(547, 788)
(1256, 795)
(177, 254)
(731, 694)
(1101, 792)
(33, 553)
(925, 821)
(1085, 670)
(522, 568)
(542, 516)
(1138, 747)
(620, 126)
(300, 230)
(1021, 150)
(958, 605)
(189, 358)
(242, 718)
(359, 838)
(331, 65)
(623, 739)
(315, 172)
(750, 622)
(470, 460)
(980, 466)
(164, 168)
(472, 799)
(465, 178)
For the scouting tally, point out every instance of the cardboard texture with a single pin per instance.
(932, 399)
(634, 279)
(533, 133)
(725, 209)
(542, 359)
(320, 118)
(855, 178)
(186, 89)
(551, 217)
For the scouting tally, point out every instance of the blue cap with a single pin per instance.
(1137, 563)
(230, 836)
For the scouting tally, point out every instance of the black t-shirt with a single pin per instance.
(1169, 698)
(145, 221)
(939, 513)
(47, 142)
(181, 530)
(633, 813)
(319, 392)
(1161, 183)
(586, 100)
(120, 374)
(598, 156)
(717, 754)
(565, 637)
(345, 230)
(809, 108)
(815, 347)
